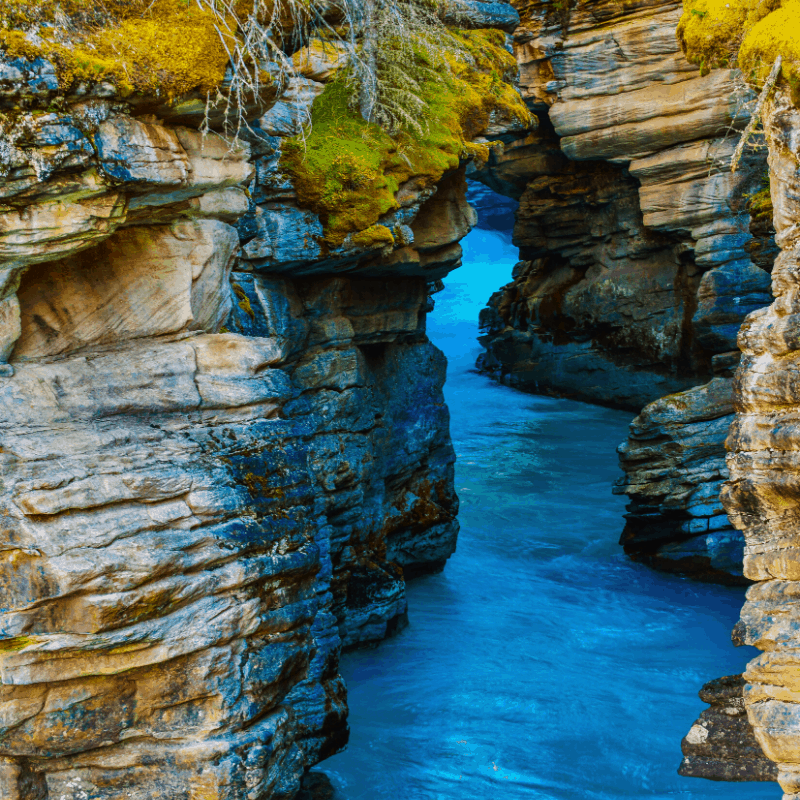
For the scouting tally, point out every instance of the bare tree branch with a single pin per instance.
(755, 118)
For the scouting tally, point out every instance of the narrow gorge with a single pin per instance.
(228, 238)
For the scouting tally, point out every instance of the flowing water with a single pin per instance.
(542, 663)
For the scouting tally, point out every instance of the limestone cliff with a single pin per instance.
(635, 239)
(641, 254)
(223, 439)
(761, 497)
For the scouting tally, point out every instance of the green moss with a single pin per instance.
(348, 170)
(759, 204)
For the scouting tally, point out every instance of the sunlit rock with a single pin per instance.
(762, 495)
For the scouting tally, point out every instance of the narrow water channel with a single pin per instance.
(542, 663)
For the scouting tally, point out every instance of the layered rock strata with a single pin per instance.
(632, 119)
(197, 521)
(634, 236)
(640, 257)
(762, 497)
(223, 449)
(167, 625)
(674, 464)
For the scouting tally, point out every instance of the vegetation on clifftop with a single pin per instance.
(749, 34)
(409, 102)
(348, 170)
(167, 48)
(158, 48)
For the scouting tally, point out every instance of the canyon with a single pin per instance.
(224, 441)
(641, 254)
(645, 261)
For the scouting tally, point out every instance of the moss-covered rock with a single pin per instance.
(167, 48)
(711, 31)
(777, 33)
(747, 33)
(348, 170)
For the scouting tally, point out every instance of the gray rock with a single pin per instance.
(674, 464)
(481, 14)
(23, 78)
(721, 746)
(725, 297)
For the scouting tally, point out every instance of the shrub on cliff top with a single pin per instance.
(348, 169)
(749, 34)
(404, 44)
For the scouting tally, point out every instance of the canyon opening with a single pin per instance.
(399, 398)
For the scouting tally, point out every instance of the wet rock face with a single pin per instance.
(674, 467)
(721, 745)
(761, 497)
(634, 237)
(222, 452)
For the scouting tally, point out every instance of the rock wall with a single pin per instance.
(197, 521)
(641, 255)
(674, 462)
(762, 497)
(634, 237)
(223, 444)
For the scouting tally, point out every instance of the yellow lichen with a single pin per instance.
(17, 643)
(173, 52)
(164, 48)
(244, 300)
(778, 33)
(18, 44)
(749, 34)
(711, 31)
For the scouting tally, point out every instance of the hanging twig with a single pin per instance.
(756, 116)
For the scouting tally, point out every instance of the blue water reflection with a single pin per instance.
(542, 663)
